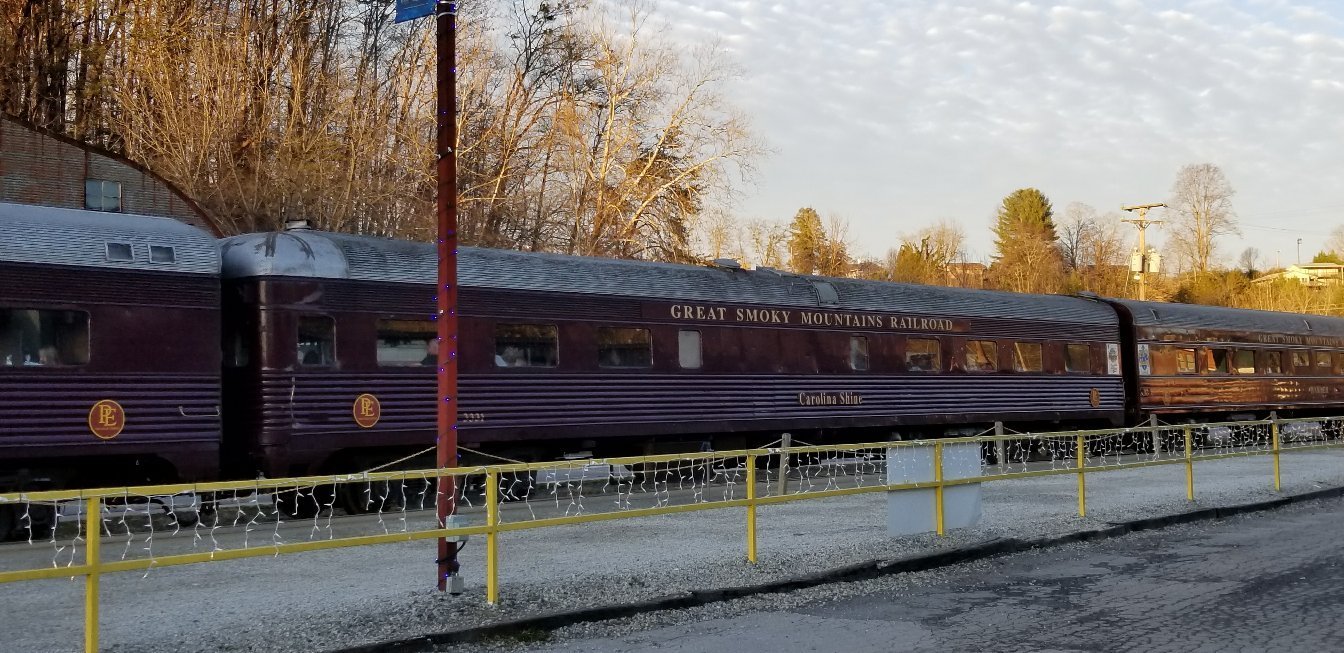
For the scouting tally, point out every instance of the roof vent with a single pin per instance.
(298, 225)
(730, 263)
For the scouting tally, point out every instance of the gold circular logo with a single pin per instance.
(367, 410)
(107, 419)
(1095, 396)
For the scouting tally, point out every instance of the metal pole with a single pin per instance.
(446, 142)
(93, 527)
(1000, 446)
(938, 488)
(1082, 478)
(785, 441)
(492, 537)
(1189, 466)
(751, 508)
(1274, 433)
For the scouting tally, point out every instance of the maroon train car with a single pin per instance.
(109, 350)
(1210, 362)
(331, 367)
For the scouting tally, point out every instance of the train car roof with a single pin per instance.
(1218, 318)
(60, 236)
(307, 253)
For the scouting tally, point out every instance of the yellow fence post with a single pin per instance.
(492, 537)
(1189, 467)
(93, 532)
(1274, 432)
(938, 487)
(751, 508)
(1082, 479)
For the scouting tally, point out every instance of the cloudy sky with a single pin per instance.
(896, 113)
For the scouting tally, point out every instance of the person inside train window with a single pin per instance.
(624, 347)
(1322, 362)
(431, 352)
(317, 340)
(1271, 362)
(1301, 362)
(1077, 357)
(1244, 361)
(526, 345)
(42, 338)
(1217, 361)
(1027, 357)
(982, 356)
(858, 353)
(922, 355)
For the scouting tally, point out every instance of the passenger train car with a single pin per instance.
(138, 349)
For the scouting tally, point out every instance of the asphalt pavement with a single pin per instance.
(1265, 582)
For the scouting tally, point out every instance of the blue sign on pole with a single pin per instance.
(413, 9)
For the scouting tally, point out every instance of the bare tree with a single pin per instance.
(1202, 202)
(1335, 243)
(925, 256)
(767, 243)
(1248, 261)
(834, 258)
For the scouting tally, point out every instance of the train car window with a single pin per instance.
(317, 340)
(1027, 357)
(1339, 362)
(688, 349)
(1077, 357)
(43, 338)
(982, 356)
(1245, 361)
(1217, 361)
(407, 343)
(1322, 362)
(1301, 361)
(858, 353)
(120, 252)
(1185, 361)
(624, 347)
(162, 254)
(923, 355)
(526, 345)
(1163, 359)
(1271, 362)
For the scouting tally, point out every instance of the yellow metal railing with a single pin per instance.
(497, 499)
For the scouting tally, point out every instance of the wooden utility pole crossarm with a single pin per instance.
(1142, 222)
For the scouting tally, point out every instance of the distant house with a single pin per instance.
(967, 275)
(47, 169)
(1307, 274)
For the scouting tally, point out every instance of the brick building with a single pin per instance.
(47, 169)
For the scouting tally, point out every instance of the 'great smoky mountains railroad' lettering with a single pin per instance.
(781, 316)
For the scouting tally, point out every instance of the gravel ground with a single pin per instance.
(333, 599)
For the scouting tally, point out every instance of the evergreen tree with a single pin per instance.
(807, 242)
(1027, 258)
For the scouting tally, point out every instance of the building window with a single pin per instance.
(162, 254)
(43, 338)
(1027, 357)
(858, 353)
(120, 252)
(317, 341)
(526, 345)
(1216, 361)
(688, 349)
(407, 343)
(982, 356)
(1245, 361)
(102, 195)
(624, 347)
(1339, 362)
(1077, 357)
(923, 355)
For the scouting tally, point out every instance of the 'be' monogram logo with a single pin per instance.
(367, 410)
(107, 419)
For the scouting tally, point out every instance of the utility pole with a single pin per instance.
(445, 15)
(1299, 251)
(1142, 222)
